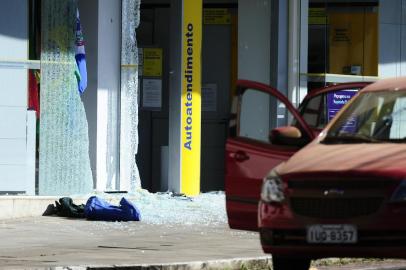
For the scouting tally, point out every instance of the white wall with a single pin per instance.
(108, 92)
(297, 53)
(254, 40)
(392, 38)
(101, 22)
(254, 48)
(175, 89)
(13, 97)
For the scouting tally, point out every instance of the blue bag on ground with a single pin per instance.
(98, 209)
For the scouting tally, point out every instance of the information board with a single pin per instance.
(336, 100)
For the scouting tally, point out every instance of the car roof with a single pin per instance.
(390, 84)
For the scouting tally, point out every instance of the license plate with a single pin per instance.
(332, 234)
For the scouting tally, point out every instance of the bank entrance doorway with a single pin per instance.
(219, 65)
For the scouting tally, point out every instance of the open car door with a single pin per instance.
(251, 152)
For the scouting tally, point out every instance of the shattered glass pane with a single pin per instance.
(129, 175)
(206, 209)
(64, 143)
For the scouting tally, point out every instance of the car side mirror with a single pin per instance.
(288, 135)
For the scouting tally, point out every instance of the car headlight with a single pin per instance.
(272, 189)
(400, 193)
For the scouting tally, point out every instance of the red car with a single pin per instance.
(250, 153)
(344, 194)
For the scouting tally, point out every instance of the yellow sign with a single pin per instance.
(191, 97)
(217, 16)
(317, 16)
(152, 62)
(349, 48)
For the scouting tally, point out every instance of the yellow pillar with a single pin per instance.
(191, 97)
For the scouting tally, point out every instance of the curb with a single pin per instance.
(382, 266)
(366, 268)
(253, 263)
(264, 262)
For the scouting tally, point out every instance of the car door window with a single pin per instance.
(398, 127)
(318, 110)
(257, 115)
(312, 111)
(254, 117)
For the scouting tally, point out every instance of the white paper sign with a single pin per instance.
(152, 93)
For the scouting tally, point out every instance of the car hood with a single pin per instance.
(384, 159)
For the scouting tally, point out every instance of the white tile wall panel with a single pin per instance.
(390, 11)
(14, 29)
(389, 50)
(13, 87)
(403, 11)
(403, 51)
(13, 95)
(13, 152)
(13, 122)
(12, 177)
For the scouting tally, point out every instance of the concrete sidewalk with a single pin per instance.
(60, 243)
(49, 242)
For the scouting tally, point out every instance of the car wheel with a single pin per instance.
(290, 263)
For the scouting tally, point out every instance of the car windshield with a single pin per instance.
(373, 117)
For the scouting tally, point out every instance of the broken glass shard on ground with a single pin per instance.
(207, 209)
